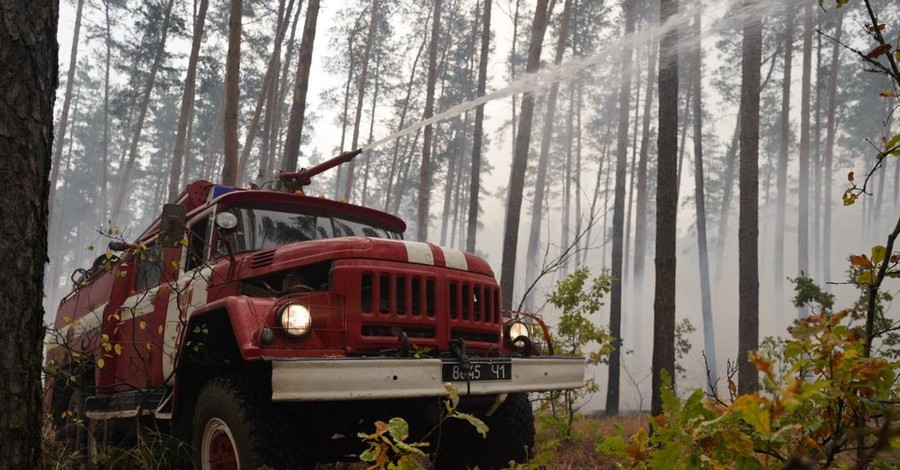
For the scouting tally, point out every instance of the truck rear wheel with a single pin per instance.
(232, 429)
(510, 437)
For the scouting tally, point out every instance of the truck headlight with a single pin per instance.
(295, 319)
(517, 333)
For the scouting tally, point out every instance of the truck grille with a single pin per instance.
(469, 309)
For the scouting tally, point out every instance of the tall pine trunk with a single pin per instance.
(67, 102)
(360, 96)
(640, 212)
(28, 77)
(618, 226)
(187, 102)
(803, 179)
(748, 229)
(301, 86)
(830, 134)
(709, 336)
(475, 178)
(125, 174)
(232, 93)
(425, 166)
(783, 152)
(532, 259)
(104, 184)
(520, 159)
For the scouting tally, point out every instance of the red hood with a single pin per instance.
(309, 252)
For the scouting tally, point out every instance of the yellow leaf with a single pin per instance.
(142, 325)
(104, 338)
(754, 411)
(878, 253)
(160, 329)
(100, 363)
(888, 94)
(147, 346)
(865, 277)
(118, 349)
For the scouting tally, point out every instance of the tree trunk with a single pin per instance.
(830, 134)
(666, 207)
(67, 102)
(125, 176)
(615, 304)
(276, 141)
(360, 96)
(187, 102)
(532, 259)
(425, 167)
(368, 156)
(709, 336)
(475, 181)
(640, 214)
(301, 86)
(104, 184)
(402, 124)
(520, 159)
(28, 78)
(748, 230)
(803, 179)
(783, 150)
(268, 83)
(232, 93)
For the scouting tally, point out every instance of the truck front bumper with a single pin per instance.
(384, 378)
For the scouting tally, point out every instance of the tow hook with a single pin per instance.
(404, 344)
(458, 348)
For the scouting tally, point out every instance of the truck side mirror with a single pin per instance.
(171, 225)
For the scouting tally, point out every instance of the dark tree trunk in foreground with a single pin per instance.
(615, 304)
(474, 185)
(709, 335)
(301, 86)
(232, 93)
(666, 208)
(748, 220)
(520, 159)
(425, 166)
(28, 78)
(783, 149)
(67, 102)
(187, 102)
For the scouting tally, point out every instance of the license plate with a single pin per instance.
(479, 371)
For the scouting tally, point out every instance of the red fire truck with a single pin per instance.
(266, 327)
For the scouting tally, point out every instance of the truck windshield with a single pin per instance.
(260, 228)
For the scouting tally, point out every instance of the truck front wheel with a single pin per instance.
(230, 428)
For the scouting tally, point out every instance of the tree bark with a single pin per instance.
(477, 138)
(232, 93)
(301, 86)
(425, 167)
(783, 150)
(532, 259)
(264, 91)
(104, 184)
(360, 97)
(277, 143)
(748, 230)
(615, 304)
(640, 214)
(803, 179)
(666, 207)
(187, 101)
(67, 102)
(830, 134)
(520, 159)
(709, 336)
(125, 174)
(28, 78)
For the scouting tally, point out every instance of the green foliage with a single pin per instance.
(388, 448)
(826, 397)
(809, 294)
(578, 300)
